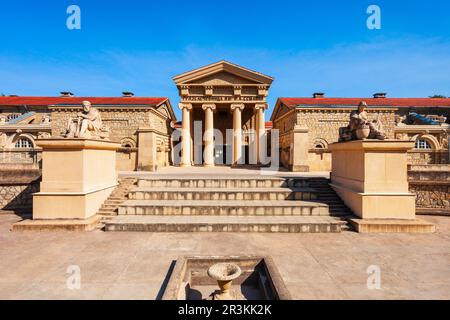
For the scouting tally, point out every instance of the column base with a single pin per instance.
(183, 165)
(209, 165)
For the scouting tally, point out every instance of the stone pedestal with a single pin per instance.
(370, 176)
(77, 177)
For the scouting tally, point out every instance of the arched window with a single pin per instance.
(320, 144)
(422, 144)
(128, 143)
(11, 117)
(23, 143)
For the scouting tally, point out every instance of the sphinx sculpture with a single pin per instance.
(87, 124)
(360, 128)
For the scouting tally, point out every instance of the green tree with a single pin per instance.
(438, 96)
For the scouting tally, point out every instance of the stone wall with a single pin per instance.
(18, 156)
(124, 124)
(323, 128)
(431, 184)
(285, 124)
(324, 123)
(423, 157)
(17, 184)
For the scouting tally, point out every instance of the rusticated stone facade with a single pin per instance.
(431, 184)
(308, 125)
(126, 125)
(323, 124)
(143, 126)
(322, 128)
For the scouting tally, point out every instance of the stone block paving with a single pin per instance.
(133, 265)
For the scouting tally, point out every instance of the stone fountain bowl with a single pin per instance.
(224, 271)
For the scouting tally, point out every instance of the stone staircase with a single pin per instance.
(118, 196)
(228, 204)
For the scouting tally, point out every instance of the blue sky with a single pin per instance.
(307, 46)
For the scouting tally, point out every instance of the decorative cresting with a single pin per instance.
(209, 134)
(87, 124)
(360, 128)
(224, 273)
(185, 134)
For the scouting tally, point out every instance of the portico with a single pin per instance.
(223, 122)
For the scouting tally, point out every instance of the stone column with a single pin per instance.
(260, 130)
(185, 135)
(147, 150)
(299, 149)
(237, 133)
(209, 135)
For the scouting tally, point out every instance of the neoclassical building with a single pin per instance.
(223, 108)
(227, 102)
(143, 126)
(308, 125)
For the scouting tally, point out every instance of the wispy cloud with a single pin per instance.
(408, 67)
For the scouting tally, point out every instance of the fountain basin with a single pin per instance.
(259, 278)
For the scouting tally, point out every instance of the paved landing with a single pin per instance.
(220, 171)
(132, 265)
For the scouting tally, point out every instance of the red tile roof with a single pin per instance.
(46, 101)
(394, 102)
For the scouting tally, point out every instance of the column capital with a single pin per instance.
(209, 105)
(262, 106)
(235, 106)
(185, 105)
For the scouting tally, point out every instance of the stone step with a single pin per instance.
(223, 208)
(222, 182)
(150, 193)
(112, 205)
(113, 201)
(121, 198)
(293, 224)
(105, 212)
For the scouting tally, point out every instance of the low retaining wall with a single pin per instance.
(17, 184)
(431, 184)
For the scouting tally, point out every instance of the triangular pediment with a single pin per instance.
(166, 110)
(222, 73)
(163, 109)
(280, 110)
(222, 78)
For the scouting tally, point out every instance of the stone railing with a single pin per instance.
(431, 184)
(20, 156)
(18, 182)
(425, 157)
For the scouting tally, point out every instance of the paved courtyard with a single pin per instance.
(135, 265)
